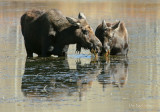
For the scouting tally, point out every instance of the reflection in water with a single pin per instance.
(53, 78)
(140, 92)
(114, 72)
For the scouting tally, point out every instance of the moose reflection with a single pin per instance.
(53, 78)
(114, 72)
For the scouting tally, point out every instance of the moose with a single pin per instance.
(114, 38)
(49, 33)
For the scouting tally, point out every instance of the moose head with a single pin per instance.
(84, 34)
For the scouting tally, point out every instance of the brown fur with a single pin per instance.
(50, 32)
(113, 35)
(34, 14)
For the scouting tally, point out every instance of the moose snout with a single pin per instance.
(97, 46)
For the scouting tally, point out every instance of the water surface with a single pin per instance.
(78, 83)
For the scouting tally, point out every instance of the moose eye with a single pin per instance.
(85, 32)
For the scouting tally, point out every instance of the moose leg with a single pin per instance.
(44, 52)
(28, 49)
(44, 47)
(65, 49)
(60, 50)
(78, 48)
(29, 53)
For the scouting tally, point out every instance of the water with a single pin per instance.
(78, 83)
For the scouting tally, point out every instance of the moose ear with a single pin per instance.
(73, 21)
(81, 16)
(104, 26)
(116, 25)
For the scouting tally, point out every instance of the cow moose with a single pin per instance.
(114, 38)
(50, 32)
(114, 73)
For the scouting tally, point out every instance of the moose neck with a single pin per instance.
(64, 38)
(67, 36)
